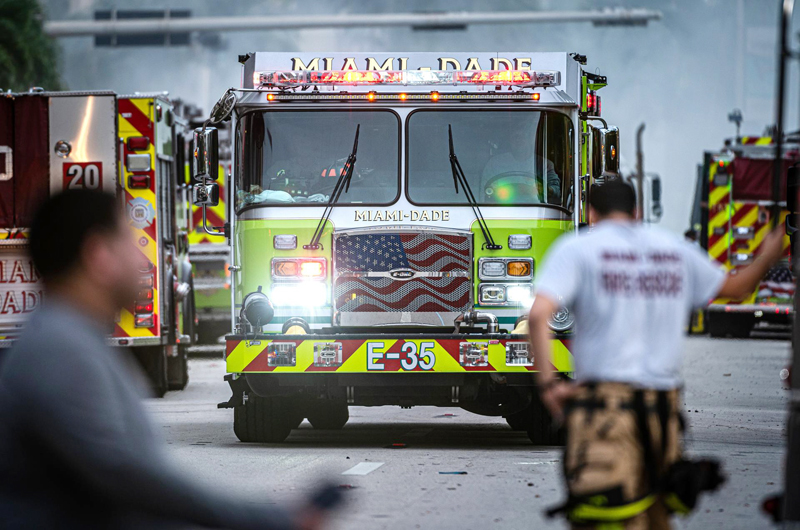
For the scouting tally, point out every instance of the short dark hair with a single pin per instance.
(63, 224)
(614, 196)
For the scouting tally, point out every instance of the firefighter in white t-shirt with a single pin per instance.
(630, 288)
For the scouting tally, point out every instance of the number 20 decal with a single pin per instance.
(83, 175)
(425, 357)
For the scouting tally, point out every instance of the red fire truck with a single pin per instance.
(732, 214)
(52, 141)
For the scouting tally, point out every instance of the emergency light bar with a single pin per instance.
(294, 78)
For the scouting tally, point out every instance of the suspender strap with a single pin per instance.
(646, 438)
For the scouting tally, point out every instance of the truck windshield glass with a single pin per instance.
(509, 157)
(294, 158)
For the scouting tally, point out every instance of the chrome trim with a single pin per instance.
(414, 274)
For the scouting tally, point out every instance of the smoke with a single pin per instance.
(681, 76)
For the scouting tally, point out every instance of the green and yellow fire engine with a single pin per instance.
(387, 217)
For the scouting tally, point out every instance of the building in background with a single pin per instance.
(681, 75)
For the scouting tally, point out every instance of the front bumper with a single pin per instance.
(772, 314)
(384, 353)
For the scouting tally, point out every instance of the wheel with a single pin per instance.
(261, 420)
(296, 417)
(178, 369)
(153, 360)
(737, 326)
(328, 415)
(519, 421)
(542, 429)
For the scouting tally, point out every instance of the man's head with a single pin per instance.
(79, 241)
(612, 198)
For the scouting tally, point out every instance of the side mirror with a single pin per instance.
(205, 194)
(205, 159)
(609, 151)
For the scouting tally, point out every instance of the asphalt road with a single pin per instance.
(734, 403)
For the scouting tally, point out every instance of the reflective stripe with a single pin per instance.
(587, 512)
(676, 505)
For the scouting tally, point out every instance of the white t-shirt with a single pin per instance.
(631, 289)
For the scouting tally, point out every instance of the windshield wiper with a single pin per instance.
(342, 184)
(458, 176)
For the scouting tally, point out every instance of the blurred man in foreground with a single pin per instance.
(630, 288)
(76, 447)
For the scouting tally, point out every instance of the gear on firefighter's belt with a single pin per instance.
(621, 471)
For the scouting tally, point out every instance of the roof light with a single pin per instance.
(270, 97)
(434, 96)
(543, 78)
(403, 96)
(535, 96)
(371, 96)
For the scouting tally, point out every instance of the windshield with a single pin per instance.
(295, 158)
(509, 157)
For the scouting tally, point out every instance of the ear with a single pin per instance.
(594, 216)
(97, 258)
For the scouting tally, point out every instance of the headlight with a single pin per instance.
(519, 293)
(494, 269)
(300, 294)
(562, 320)
(505, 294)
(493, 294)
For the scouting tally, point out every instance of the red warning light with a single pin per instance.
(434, 96)
(403, 97)
(535, 96)
(371, 96)
(270, 97)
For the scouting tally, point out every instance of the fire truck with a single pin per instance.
(731, 215)
(388, 214)
(125, 145)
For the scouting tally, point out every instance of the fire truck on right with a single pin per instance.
(731, 216)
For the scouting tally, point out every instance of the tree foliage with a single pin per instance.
(28, 57)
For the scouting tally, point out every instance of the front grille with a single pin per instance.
(421, 271)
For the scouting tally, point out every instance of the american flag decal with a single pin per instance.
(361, 258)
(777, 286)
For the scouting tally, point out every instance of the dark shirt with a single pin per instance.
(76, 447)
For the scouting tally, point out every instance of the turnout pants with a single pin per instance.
(620, 442)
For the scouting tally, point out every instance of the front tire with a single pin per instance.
(737, 326)
(519, 421)
(153, 360)
(328, 415)
(178, 369)
(261, 420)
